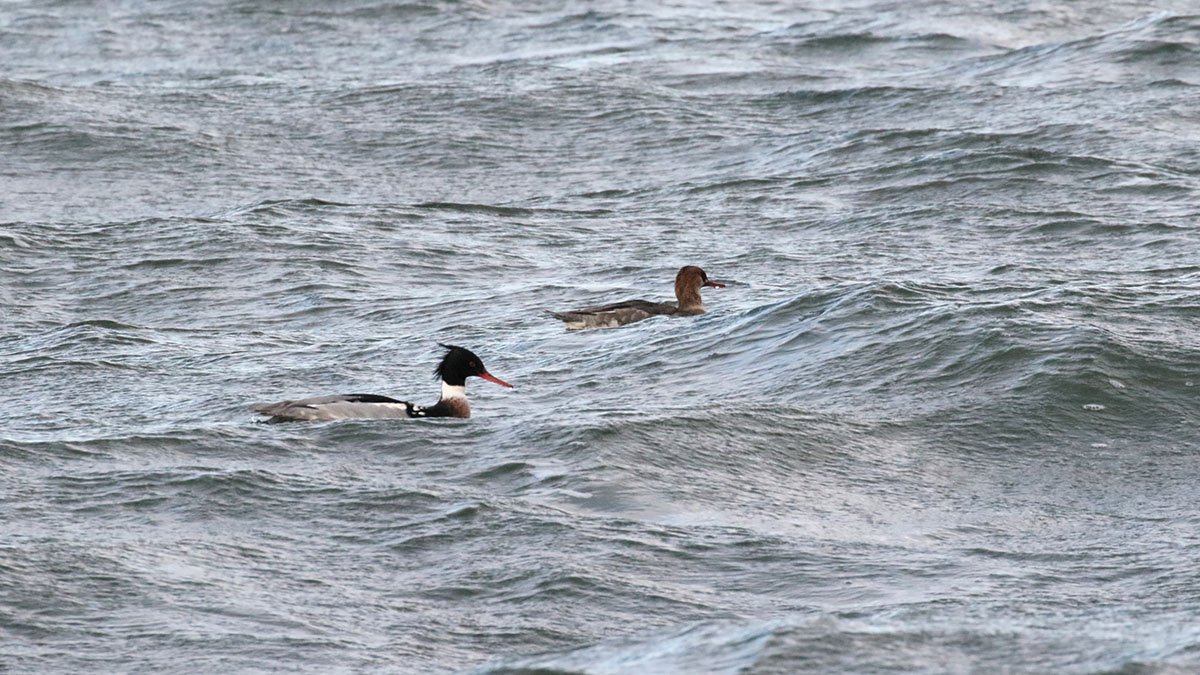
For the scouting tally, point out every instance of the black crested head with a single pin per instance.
(457, 365)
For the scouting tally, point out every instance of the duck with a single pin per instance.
(456, 366)
(688, 283)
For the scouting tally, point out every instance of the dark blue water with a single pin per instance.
(942, 418)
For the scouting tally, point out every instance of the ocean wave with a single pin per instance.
(1151, 46)
(712, 647)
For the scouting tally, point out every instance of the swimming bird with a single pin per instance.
(457, 365)
(688, 283)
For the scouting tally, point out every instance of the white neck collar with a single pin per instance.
(451, 391)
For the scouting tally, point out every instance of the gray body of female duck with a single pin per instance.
(688, 283)
(457, 365)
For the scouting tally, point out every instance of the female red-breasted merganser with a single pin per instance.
(457, 365)
(687, 291)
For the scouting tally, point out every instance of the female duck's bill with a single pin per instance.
(688, 283)
(455, 367)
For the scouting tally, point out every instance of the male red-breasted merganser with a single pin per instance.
(688, 283)
(457, 365)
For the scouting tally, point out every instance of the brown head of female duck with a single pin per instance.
(688, 283)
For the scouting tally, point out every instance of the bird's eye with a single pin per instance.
(472, 364)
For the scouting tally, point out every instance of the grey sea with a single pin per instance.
(941, 419)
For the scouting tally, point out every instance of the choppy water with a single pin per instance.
(942, 419)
